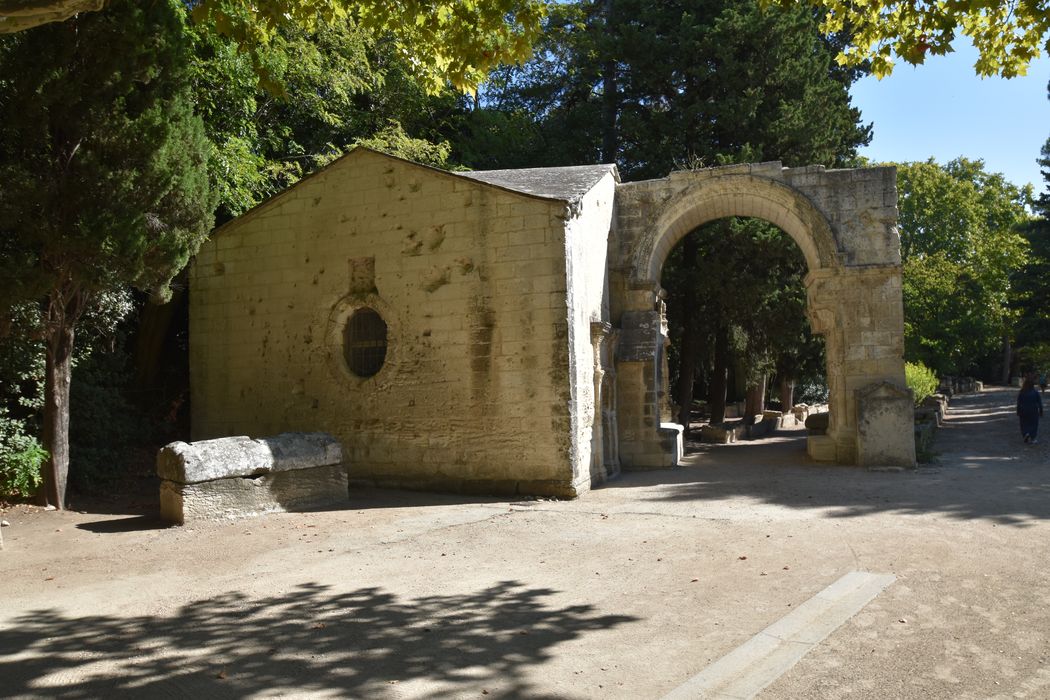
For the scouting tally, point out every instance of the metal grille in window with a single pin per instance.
(364, 342)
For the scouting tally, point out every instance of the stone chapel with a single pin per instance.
(503, 331)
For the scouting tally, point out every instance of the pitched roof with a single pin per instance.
(566, 183)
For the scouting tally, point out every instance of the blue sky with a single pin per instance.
(942, 109)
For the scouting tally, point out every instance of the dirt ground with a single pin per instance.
(625, 593)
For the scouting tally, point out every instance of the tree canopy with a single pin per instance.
(654, 86)
(457, 41)
(961, 247)
(1008, 34)
(1032, 282)
(104, 171)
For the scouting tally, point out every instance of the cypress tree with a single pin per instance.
(103, 178)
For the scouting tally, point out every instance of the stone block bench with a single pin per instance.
(238, 477)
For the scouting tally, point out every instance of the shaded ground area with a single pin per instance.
(309, 639)
(981, 470)
(625, 593)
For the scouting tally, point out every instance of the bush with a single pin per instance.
(21, 457)
(811, 391)
(920, 379)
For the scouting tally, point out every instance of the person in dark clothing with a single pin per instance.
(1029, 410)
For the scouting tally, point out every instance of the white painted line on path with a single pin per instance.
(745, 671)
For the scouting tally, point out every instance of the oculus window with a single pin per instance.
(364, 342)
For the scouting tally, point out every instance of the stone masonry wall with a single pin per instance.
(586, 242)
(471, 281)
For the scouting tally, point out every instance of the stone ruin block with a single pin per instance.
(239, 477)
(774, 418)
(817, 423)
(718, 434)
(885, 426)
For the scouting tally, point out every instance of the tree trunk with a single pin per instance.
(720, 377)
(756, 399)
(58, 374)
(687, 371)
(690, 350)
(787, 394)
(1007, 360)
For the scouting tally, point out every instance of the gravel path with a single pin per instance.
(624, 593)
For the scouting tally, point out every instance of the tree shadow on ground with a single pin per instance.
(982, 470)
(309, 641)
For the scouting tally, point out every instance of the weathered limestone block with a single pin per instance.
(240, 477)
(817, 423)
(885, 426)
(718, 434)
(801, 413)
(821, 448)
(755, 426)
(775, 419)
(671, 441)
(924, 434)
(245, 497)
(938, 403)
(928, 415)
(205, 460)
(965, 385)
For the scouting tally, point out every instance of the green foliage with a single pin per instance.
(960, 248)
(1034, 358)
(1032, 281)
(98, 405)
(921, 380)
(21, 457)
(1008, 35)
(103, 160)
(457, 41)
(745, 278)
(396, 142)
(105, 182)
(343, 86)
(654, 85)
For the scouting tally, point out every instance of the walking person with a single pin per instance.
(1029, 410)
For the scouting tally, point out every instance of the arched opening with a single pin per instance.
(844, 224)
(739, 342)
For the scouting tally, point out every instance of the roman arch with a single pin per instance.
(844, 221)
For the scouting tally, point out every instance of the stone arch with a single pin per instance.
(738, 195)
(844, 222)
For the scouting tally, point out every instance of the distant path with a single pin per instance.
(981, 469)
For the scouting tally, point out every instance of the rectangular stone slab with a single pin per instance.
(205, 460)
(243, 497)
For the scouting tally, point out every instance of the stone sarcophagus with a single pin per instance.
(238, 477)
